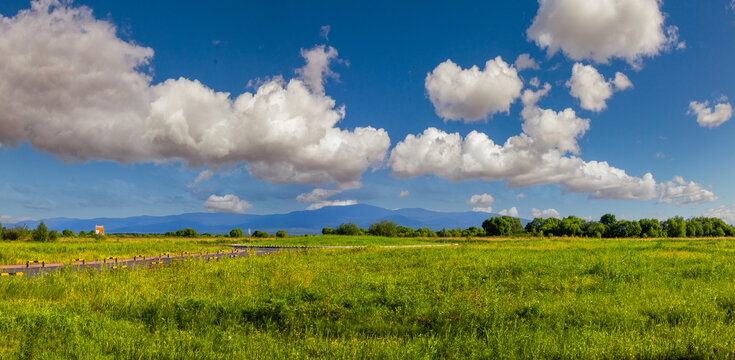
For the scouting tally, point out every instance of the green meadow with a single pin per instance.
(497, 299)
(67, 249)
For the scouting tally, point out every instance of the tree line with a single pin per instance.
(607, 227)
(40, 234)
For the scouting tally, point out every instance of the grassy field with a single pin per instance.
(18, 252)
(66, 249)
(584, 299)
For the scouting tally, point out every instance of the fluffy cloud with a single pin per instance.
(525, 61)
(226, 204)
(512, 212)
(72, 88)
(723, 212)
(540, 155)
(708, 118)
(481, 199)
(545, 213)
(403, 194)
(521, 196)
(319, 205)
(481, 203)
(684, 193)
(603, 29)
(591, 88)
(472, 94)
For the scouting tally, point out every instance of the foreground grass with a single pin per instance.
(511, 299)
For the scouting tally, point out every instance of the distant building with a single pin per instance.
(99, 230)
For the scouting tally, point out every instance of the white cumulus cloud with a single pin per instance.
(72, 88)
(226, 204)
(591, 88)
(545, 213)
(525, 61)
(600, 30)
(481, 202)
(684, 193)
(543, 154)
(521, 196)
(481, 199)
(403, 194)
(708, 118)
(473, 94)
(512, 212)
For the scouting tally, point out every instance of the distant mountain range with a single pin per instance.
(295, 223)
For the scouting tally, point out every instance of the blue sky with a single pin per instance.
(386, 51)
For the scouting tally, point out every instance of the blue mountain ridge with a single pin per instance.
(294, 223)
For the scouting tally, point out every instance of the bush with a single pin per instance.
(236, 233)
(67, 233)
(188, 232)
(15, 233)
(41, 233)
(170, 233)
(327, 231)
(384, 228)
(82, 233)
(349, 229)
(53, 235)
(281, 234)
(260, 234)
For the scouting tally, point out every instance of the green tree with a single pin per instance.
(188, 232)
(571, 226)
(82, 233)
(67, 233)
(384, 228)
(626, 229)
(348, 229)
(236, 233)
(327, 231)
(675, 227)
(651, 228)
(53, 235)
(595, 229)
(534, 227)
(424, 232)
(281, 234)
(608, 220)
(500, 225)
(551, 226)
(694, 228)
(41, 233)
(260, 234)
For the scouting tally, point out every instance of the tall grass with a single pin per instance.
(512, 299)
